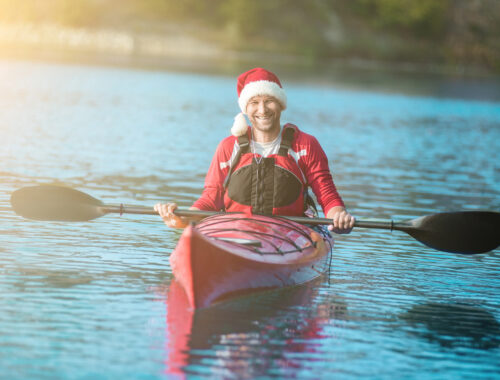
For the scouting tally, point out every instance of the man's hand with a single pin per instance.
(166, 211)
(343, 222)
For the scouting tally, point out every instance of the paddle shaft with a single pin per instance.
(122, 209)
(199, 214)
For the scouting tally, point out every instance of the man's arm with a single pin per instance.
(212, 197)
(318, 176)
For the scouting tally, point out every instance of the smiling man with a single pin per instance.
(266, 168)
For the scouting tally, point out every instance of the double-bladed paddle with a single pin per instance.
(467, 232)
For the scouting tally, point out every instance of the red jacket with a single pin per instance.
(305, 151)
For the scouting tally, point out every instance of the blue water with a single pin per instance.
(93, 300)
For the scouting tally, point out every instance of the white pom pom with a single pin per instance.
(240, 126)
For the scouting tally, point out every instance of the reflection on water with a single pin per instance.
(248, 337)
(455, 325)
(82, 300)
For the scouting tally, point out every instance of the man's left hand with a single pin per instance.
(343, 222)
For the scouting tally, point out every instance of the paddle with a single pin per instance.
(468, 232)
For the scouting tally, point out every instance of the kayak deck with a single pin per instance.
(232, 254)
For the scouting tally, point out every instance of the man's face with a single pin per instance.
(264, 113)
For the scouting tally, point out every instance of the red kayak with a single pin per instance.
(230, 255)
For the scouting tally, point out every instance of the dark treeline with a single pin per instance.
(441, 31)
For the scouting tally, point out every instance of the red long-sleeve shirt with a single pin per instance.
(307, 152)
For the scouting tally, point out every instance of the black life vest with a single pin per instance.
(273, 185)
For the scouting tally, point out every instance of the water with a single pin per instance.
(96, 299)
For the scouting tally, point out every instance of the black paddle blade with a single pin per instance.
(49, 202)
(466, 232)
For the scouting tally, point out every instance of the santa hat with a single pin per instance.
(255, 82)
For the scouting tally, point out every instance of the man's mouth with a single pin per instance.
(263, 118)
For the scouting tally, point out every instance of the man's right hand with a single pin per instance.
(166, 211)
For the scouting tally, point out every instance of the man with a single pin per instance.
(266, 168)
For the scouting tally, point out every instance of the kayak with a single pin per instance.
(230, 255)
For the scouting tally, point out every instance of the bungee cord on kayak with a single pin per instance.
(212, 228)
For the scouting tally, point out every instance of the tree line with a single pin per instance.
(441, 30)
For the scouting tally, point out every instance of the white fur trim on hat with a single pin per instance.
(261, 87)
(240, 126)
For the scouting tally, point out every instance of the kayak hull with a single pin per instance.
(228, 256)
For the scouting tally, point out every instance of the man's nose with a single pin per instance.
(262, 107)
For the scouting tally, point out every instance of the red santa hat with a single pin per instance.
(255, 82)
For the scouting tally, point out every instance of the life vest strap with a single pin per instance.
(244, 144)
(286, 140)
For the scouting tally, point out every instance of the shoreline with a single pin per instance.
(179, 51)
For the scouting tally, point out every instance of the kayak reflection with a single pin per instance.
(246, 337)
(455, 325)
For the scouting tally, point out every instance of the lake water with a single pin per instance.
(96, 300)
